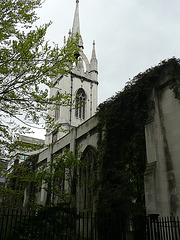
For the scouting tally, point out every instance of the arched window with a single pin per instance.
(80, 104)
(88, 177)
(57, 108)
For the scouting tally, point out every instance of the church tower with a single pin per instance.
(81, 84)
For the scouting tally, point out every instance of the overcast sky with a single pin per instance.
(130, 35)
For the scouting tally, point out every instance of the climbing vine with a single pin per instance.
(121, 142)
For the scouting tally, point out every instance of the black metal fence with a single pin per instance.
(60, 225)
(167, 228)
(16, 225)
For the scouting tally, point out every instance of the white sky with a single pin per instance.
(130, 35)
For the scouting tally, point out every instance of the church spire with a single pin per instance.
(76, 24)
(93, 62)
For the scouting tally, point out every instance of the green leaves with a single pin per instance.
(54, 174)
(27, 64)
(49, 177)
(14, 13)
(122, 142)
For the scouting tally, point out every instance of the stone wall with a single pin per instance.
(80, 138)
(162, 178)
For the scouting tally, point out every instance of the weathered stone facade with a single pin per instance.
(84, 138)
(79, 124)
(81, 84)
(162, 179)
(162, 131)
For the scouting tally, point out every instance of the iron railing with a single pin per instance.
(16, 225)
(67, 225)
(163, 228)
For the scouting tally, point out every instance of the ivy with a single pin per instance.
(121, 142)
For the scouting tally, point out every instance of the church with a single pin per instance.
(161, 130)
(78, 124)
(81, 84)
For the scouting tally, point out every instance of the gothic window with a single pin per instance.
(87, 179)
(57, 108)
(80, 104)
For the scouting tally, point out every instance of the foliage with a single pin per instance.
(27, 65)
(17, 179)
(55, 222)
(122, 140)
(58, 222)
(58, 172)
(51, 177)
(11, 198)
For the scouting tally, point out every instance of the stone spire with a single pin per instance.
(94, 63)
(76, 25)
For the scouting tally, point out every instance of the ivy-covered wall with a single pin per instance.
(121, 143)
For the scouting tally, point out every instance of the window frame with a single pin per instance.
(80, 104)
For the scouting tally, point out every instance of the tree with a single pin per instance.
(27, 65)
(58, 173)
(50, 177)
